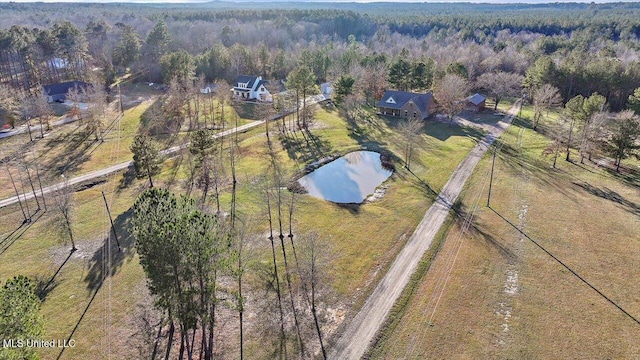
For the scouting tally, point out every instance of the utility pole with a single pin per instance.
(120, 99)
(17, 194)
(115, 235)
(493, 162)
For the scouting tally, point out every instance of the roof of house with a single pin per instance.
(476, 99)
(262, 82)
(63, 88)
(393, 99)
(326, 88)
(245, 79)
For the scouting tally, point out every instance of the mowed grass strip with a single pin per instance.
(508, 299)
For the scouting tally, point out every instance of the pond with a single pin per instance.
(349, 179)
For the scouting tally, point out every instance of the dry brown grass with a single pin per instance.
(583, 215)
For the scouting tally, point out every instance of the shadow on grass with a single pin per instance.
(464, 220)
(128, 177)
(74, 152)
(421, 185)
(45, 286)
(16, 234)
(366, 129)
(436, 129)
(443, 131)
(175, 168)
(627, 175)
(75, 328)
(304, 146)
(100, 267)
(534, 169)
(608, 194)
(248, 110)
(107, 260)
(351, 207)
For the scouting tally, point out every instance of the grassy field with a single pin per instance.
(363, 239)
(76, 303)
(493, 293)
(72, 150)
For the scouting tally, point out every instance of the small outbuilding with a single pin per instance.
(475, 102)
(208, 89)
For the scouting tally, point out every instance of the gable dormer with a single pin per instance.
(390, 100)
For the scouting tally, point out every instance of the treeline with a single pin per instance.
(586, 48)
(31, 57)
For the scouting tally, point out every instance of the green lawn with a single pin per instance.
(363, 239)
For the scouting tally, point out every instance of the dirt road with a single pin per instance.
(311, 100)
(121, 166)
(359, 333)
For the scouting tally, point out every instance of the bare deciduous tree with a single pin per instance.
(312, 275)
(96, 112)
(544, 98)
(450, 93)
(63, 206)
(500, 84)
(556, 132)
(410, 131)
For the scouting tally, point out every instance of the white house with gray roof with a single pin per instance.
(251, 88)
(406, 104)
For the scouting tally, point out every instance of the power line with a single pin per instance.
(450, 260)
(568, 268)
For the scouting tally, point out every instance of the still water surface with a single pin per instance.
(349, 179)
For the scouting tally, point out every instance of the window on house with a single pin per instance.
(414, 115)
(406, 113)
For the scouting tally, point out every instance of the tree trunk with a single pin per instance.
(172, 329)
(555, 157)
(73, 244)
(315, 320)
(283, 346)
(240, 307)
(182, 340)
(24, 194)
(32, 188)
(149, 174)
(293, 306)
(17, 194)
(569, 140)
(155, 343)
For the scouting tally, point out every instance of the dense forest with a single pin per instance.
(579, 48)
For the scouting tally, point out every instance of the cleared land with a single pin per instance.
(492, 293)
(363, 239)
(361, 330)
